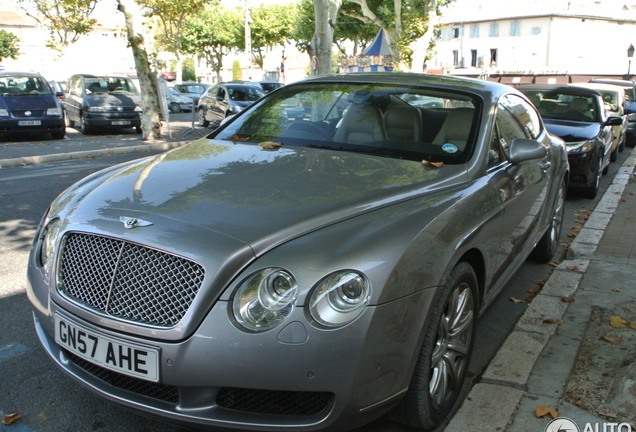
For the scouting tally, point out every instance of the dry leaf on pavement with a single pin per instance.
(567, 299)
(10, 418)
(533, 291)
(572, 268)
(613, 339)
(516, 300)
(553, 264)
(618, 322)
(616, 290)
(553, 321)
(576, 228)
(541, 411)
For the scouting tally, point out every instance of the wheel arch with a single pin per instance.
(475, 259)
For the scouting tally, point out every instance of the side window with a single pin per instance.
(221, 93)
(507, 128)
(526, 116)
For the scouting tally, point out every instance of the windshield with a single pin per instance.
(24, 86)
(565, 106)
(109, 85)
(402, 122)
(245, 93)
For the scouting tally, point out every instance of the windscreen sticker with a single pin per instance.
(450, 148)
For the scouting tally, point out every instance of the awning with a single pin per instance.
(558, 79)
(380, 45)
(524, 79)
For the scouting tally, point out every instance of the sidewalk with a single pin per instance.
(77, 146)
(534, 365)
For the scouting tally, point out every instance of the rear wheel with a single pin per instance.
(443, 359)
(59, 135)
(175, 108)
(549, 243)
(202, 121)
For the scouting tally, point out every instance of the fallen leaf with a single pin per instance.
(10, 418)
(581, 221)
(530, 297)
(629, 218)
(616, 290)
(608, 415)
(577, 215)
(618, 322)
(542, 282)
(567, 299)
(553, 264)
(533, 291)
(541, 411)
(572, 268)
(623, 200)
(576, 228)
(516, 300)
(270, 145)
(433, 164)
(553, 321)
(571, 235)
(613, 339)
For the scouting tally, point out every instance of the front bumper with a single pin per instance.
(115, 120)
(582, 170)
(296, 376)
(47, 125)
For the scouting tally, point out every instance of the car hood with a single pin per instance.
(31, 102)
(573, 131)
(113, 99)
(256, 196)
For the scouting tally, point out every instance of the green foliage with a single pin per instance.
(188, 70)
(67, 20)
(9, 45)
(237, 73)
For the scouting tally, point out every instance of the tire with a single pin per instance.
(82, 127)
(621, 145)
(614, 154)
(59, 135)
(69, 123)
(435, 386)
(549, 243)
(202, 121)
(175, 108)
(591, 191)
(138, 129)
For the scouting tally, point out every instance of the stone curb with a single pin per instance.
(506, 378)
(34, 160)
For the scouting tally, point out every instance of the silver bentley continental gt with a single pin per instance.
(302, 273)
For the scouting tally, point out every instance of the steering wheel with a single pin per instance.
(305, 126)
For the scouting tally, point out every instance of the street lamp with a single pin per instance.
(630, 54)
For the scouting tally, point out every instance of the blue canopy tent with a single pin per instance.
(376, 57)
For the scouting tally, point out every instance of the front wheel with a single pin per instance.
(175, 108)
(592, 190)
(444, 355)
(549, 243)
(83, 128)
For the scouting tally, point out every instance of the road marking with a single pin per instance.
(12, 349)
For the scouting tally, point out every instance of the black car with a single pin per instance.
(107, 102)
(28, 105)
(192, 90)
(577, 116)
(224, 100)
(630, 105)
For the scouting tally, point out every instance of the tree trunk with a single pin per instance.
(150, 117)
(326, 13)
(420, 46)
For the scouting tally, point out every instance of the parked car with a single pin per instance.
(105, 102)
(178, 102)
(266, 86)
(305, 274)
(630, 105)
(58, 88)
(192, 90)
(29, 106)
(614, 100)
(224, 100)
(578, 116)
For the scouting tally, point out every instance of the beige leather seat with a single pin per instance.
(361, 124)
(403, 123)
(456, 128)
(581, 105)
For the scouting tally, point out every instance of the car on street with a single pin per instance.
(102, 102)
(192, 90)
(614, 100)
(630, 105)
(578, 116)
(178, 102)
(29, 106)
(266, 86)
(311, 274)
(224, 100)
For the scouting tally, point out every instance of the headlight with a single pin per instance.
(4, 113)
(580, 147)
(54, 111)
(138, 108)
(340, 298)
(101, 109)
(48, 243)
(265, 299)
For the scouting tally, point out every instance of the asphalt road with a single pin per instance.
(49, 401)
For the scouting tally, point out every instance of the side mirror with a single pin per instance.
(613, 121)
(523, 149)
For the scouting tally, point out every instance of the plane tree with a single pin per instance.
(9, 45)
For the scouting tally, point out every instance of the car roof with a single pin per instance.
(560, 88)
(19, 73)
(623, 83)
(599, 86)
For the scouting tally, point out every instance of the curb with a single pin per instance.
(493, 403)
(34, 160)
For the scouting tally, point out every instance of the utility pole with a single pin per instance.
(248, 38)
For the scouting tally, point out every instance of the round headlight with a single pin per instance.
(49, 240)
(340, 298)
(265, 299)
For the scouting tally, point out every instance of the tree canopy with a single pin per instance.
(9, 45)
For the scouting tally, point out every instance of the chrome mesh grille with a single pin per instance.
(127, 280)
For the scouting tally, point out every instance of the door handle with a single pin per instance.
(545, 165)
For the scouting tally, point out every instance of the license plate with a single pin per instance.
(29, 123)
(117, 355)
(120, 122)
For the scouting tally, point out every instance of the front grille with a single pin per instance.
(273, 402)
(126, 280)
(153, 390)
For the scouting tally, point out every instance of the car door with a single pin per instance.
(74, 99)
(523, 188)
(218, 105)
